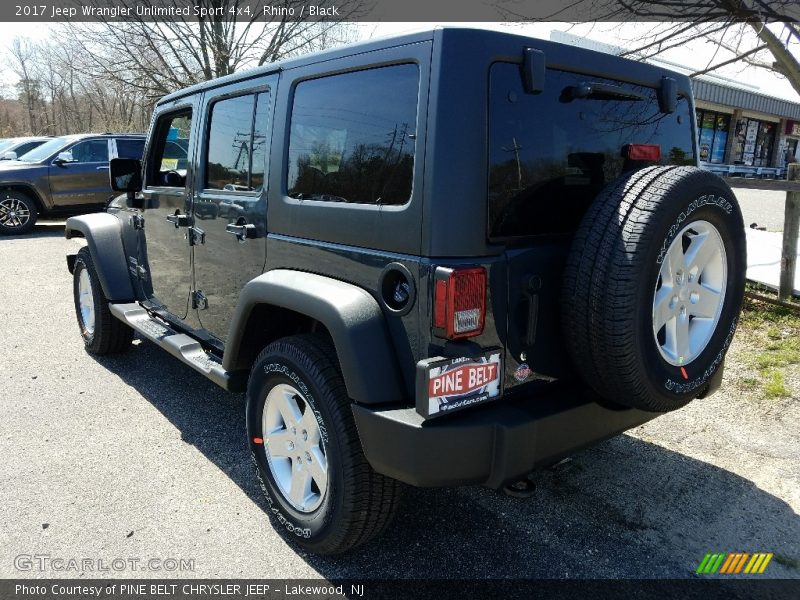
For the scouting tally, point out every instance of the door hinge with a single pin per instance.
(137, 221)
(199, 300)
(136, 269)
(196, 236)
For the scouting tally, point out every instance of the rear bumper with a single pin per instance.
(489, 445)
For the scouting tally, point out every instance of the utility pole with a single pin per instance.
(791, 225)
(515, 148)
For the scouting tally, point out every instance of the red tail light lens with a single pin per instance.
(649, 152)
(459, 303)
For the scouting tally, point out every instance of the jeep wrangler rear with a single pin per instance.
(445, 258)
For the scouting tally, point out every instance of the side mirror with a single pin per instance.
(10, 155)
(63, 157)
(125, 174)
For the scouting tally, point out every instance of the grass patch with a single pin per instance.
(748, 384)
(775, 384)
(773, 340)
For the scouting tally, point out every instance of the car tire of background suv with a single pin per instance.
(18, 213)
(102, 332)
(654, 285)
(320, 490)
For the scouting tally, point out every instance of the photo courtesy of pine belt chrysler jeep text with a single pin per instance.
(445, 258)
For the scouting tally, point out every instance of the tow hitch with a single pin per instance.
(524, 488)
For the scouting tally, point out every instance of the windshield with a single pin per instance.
(45, 150)
(5, 144)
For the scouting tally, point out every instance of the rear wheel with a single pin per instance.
(102, 332)
(18, 213)
(654, 285)
(321, 491)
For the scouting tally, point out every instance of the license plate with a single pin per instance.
(445, 385)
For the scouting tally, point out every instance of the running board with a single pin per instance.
(183, 347)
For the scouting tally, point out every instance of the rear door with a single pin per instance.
(230, 201)
(83, 178)
(167, 198)
(550, 155)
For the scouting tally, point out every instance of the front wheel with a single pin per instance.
(102, 333)
(18, 213)
(320, 489)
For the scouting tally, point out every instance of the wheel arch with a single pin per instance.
(284, 302)
(27, 189)
(103, 234)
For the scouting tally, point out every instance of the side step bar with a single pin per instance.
(180, 345)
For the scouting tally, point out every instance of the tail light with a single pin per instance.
(459, 302)
(648, 152)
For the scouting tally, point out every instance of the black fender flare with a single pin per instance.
(352, 317)
(103, 233)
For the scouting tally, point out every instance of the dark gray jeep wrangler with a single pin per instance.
(446, 258)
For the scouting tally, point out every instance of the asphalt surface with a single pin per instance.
(765, 208)
(140, 457)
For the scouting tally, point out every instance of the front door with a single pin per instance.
(230, 205)
(167, 204)
(82, 179)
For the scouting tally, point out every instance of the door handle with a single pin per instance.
(102, 168)
(178, 220)
(242, 232)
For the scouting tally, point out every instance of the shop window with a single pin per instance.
(713, 135)
(753, 143)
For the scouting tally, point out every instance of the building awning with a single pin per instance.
(746, 100)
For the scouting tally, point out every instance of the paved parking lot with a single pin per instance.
(139, 457)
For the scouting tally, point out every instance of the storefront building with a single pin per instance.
(738, 126)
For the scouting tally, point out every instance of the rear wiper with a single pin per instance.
(599, 91)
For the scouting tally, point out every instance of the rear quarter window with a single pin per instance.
(130, 148)
(550, 154)
(353, 136)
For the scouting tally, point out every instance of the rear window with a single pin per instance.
(130, 148)
(551, 153)
(353, 136)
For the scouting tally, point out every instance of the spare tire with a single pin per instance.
(654, 285)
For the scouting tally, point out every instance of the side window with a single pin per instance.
(168, 162)
(261, 131)
(236, 143)
(130, 148)
(89, 151)
(353, 136)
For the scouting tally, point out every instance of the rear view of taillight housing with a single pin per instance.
(459, 302)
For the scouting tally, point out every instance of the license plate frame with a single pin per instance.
(447, 385)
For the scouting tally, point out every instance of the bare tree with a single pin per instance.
(750, 32)
(28, 87)
(161, 56)
(106, 76)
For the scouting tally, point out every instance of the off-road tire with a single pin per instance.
(359, 503)
(611, 278)
(29, 209)
(109, 335)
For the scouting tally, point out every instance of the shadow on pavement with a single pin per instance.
(42, 229)
(625, 508)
